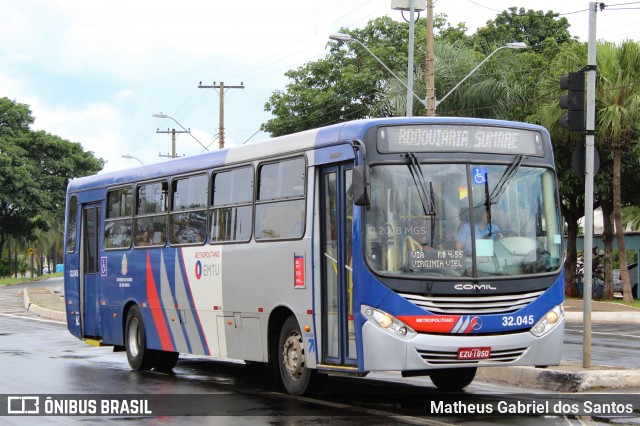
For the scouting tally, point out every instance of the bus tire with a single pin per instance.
(452, 379)
(135, 341)
(296, 377)
(165, 361)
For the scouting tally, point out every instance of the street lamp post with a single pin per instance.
(131, 157)
(411, 6)
(348, 38)
(506, 46)
(161, 115)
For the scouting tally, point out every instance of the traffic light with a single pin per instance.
(573, 101)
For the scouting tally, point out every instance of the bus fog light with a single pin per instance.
(547, 322)
(388, 323)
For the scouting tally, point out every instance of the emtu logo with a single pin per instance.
(198, 270)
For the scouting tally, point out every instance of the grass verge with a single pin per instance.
(12, 281)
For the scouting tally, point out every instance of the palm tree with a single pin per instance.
(618, 111)
(631, 217)
(453, 61)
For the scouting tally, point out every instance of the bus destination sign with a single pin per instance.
(460, 138)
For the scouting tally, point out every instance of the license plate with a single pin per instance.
(474, 353)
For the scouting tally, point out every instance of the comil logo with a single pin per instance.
(474, 287)
(23, 405)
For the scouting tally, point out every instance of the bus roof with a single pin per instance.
(296, 142)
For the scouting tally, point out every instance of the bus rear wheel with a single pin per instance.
(135, 341)
(453, 379)
(296, 377)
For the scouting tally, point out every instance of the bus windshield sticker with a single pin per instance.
(459, 138)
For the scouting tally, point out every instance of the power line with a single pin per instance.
(483, 6)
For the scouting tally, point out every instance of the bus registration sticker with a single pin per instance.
(298, 271)
(474, 353)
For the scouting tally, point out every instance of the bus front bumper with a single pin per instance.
(383, 351)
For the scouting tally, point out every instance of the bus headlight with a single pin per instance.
(547, 322)
(387, 322)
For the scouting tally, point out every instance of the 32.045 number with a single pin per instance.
(517, 320)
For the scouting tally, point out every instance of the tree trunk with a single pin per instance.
(617, 219)
(607, 238)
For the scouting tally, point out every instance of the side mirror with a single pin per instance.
(361, 185)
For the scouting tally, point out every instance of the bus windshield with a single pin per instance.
(462, 220)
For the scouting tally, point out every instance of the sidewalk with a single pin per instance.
(601, 312)
(567, 377)
(44, 303)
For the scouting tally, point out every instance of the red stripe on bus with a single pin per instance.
(156, 310)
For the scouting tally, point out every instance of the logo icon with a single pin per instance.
(23, 405)
(198, 270)
(124, 268)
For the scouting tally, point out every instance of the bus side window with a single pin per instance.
(232, 205)
(188, 216)
(117, 226)
(72, 224)
(280, 208)
(150, 223)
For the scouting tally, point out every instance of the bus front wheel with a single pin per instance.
(452, 379)
(296, 377)
(135, 341)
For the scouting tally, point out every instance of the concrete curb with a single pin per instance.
(562, 379)
(605, 317)
(40, 311)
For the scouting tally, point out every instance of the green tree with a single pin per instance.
(342, 86)
(617, 111)
(505, 86)
(631, 216)
(35, 168)
(532, 27)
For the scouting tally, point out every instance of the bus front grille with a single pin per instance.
(451, 357)
(476, 305)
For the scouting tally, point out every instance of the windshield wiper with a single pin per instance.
(425, 193)
(500, 187)
(506, 177)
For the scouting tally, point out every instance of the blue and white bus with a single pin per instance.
(429, 246)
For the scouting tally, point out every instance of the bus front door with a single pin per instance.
(338, 338)
(90, 270)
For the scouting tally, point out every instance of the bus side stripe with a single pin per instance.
(181, 345)
(183, 295)
(156, 309)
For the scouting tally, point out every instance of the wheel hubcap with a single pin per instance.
(293, 355)
(134, 346)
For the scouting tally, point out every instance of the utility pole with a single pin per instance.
(173, 140)
(588, 186)
(221, 88)
(430, 75)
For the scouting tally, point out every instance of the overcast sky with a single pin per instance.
(95, 71)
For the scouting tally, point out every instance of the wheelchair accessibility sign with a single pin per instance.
(479, 175)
